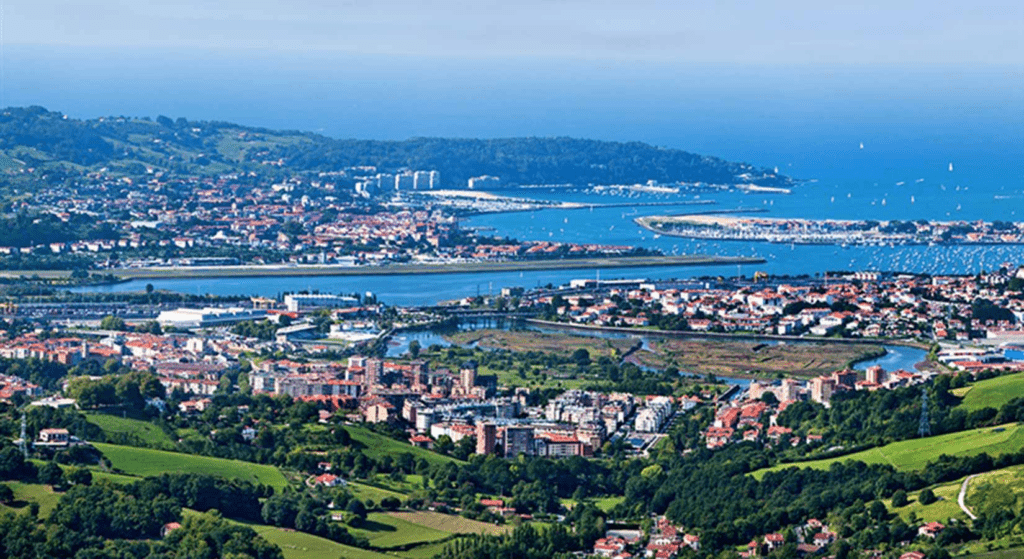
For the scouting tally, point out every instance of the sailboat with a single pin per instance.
(950, 167)
(862, 145)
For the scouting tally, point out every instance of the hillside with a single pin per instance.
(54, 146)
(914, 454)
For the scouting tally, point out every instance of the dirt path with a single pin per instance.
(963, 497)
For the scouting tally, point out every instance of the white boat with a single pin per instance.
(950, 167)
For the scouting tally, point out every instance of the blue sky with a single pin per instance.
(723, 31)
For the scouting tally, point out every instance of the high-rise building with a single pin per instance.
(518, 440)
(822, 389)
(405, 181)
(374, 372)
(435, 180)
(386, 182)
(423, 180)
(877, 375)
(847, 378)
(486, 433)
(485, 182)
(420, 375)
(467, 375)
(790, 390)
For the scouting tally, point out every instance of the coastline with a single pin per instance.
(398, 269)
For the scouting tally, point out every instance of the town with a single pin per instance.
(204, 371)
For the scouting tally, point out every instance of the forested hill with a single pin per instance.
(54, 144)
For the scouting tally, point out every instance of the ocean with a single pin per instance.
(809, 121)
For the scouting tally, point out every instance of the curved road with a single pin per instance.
(963, 496)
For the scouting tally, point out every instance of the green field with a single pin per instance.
(299, 545)
(941, 510)
(145, 432)
(604, 503)
(377, 446)
(25, 493)
(914, 454)
(450, 523)
(364, 491)
(384, 531)
(148, 462)
(992, 393)
(425, 551)
(1014, 553)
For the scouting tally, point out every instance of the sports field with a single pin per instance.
(914, 454)
(992, 393)
(148, 462)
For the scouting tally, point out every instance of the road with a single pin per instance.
(963, 496)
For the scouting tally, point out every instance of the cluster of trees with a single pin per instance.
(262, 330)
(130, 390)
(102, 523)
(522, 160)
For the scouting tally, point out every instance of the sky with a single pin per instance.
(767, 82)
(868, 32)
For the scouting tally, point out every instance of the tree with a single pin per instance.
(51, 474)
(899, 498)
(6, 494)
(357, 508)
(111, 322)
(80, 476)
(926, 497)
(414, 349)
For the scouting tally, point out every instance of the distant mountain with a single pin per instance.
(53, 145)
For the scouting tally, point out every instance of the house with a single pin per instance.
(422, 441)
(930, 530)
(692, 541)
(913, 555)
(168, 528)
(54, 437)
(328, 480)
(774, 541)
(823, 539)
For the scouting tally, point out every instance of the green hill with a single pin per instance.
(123, 429)
(914, 454)
(992, 393)
(48, 141)
(148, 462)
(377, 446)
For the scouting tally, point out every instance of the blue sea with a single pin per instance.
(809, 121)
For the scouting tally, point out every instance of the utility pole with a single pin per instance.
(924, 428)
(24, 442)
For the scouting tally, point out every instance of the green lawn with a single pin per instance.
(149, 462)
(25, 493)
(144, 431)
(993, 393)
(604, 503)
(377, 446)
(914, 454)
(385, 531)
